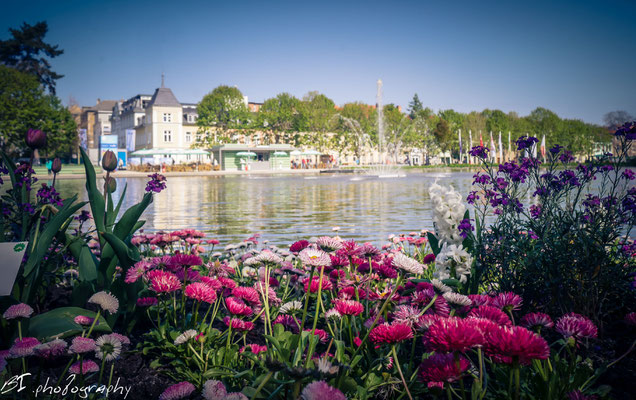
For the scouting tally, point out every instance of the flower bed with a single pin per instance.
(169, 315)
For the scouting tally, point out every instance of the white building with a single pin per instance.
(127, 115)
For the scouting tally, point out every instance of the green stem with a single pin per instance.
(258, 389)
(311, 277)
(88, 334)
(397, 364)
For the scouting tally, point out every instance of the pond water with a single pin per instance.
(285, 208)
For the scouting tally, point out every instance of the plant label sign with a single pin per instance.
(11, 254)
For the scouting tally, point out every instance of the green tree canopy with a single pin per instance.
(281, 115)
(27, 51)
(223, 110)
(24, 105)
(315, 118)
(415, 106)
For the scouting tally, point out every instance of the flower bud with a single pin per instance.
(35, 139)
(109, 161)
(110, 184)
(57, 165)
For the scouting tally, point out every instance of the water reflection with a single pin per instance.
(285, 208)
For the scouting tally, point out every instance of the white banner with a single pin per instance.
(130, 139)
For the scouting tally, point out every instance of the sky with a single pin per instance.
(574, 57)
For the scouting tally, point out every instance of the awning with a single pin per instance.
(280, 154)
(174, 152)
(246, 154)
(295, 153)
(311, 153)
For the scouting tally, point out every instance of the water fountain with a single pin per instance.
(382, 169)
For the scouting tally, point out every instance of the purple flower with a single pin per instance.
(526, 142)
(629, 175)
(83, 217)
(628, 130)
(35, 139)
(535, 211)
(556, 149)
(48, 195)
(156, 184)
(481, 179)
(566, 157)
(479, 152)
(472, 196)
(465, 227)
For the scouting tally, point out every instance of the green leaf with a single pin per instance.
(59, 323)
(432, 240)
(95, 197)
(87, 266)
(51, 228)
(10, 166)
(119, 203)
(127, 255)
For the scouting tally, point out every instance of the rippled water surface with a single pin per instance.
(284, 208)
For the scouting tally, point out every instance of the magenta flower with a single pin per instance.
(576, 326)
(238, 324)
(18, 311)
(211, 282)
(322, 335)
(23, 347)
(200, 292)
(348, 307)
(254, 348)
(441, 368)
(248, 294)
(509, 342)
(147, 301)
(84, 320)
(288, 322)
(84, 367)
(52, 349)
(453, 334)
(390, 334)
(630, 319)
(507, 301)
(163, 281)
(479, 299)
(183, 260)
(298, 246)
(315, 282)
(491, 313)
(237, 306)
(320, 390)
(536, 320)
(177, 391)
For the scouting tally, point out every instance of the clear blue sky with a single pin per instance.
(577, 58)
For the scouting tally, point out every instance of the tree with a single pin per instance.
(27, 52)
(280, 115)
(24, 105)
(443, 134)
(355, 127)
(415, 106)
(316, 113)
(475, 122)
(223, 110)
(422, 126)
(399, 131)
(614, 119)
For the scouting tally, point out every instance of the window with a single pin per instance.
(188, 137)
(167, 117)
(167, 136)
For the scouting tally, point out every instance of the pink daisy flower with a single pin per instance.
(84, 320)
(298, 246)
(248, 294)
(200, 292)
(163, 281)
(536, 320)
(491, 313)
(24, 347)
(52, 349)
(576, 326)
(320, 390)
(177, 391)
(227, 282)
(238, 324)
(509, 342)
(84, 367)
(441, 368)
(18, 311)
(288, 322)
(237, 306)
(82, 345)
(211, 282)
(406, 314)
(314, 257)
(479, 300)
(390, 334)
(453, 334)
(321, 334)
(315, 282)
(507, 301)
(348, 307)
(254, 348)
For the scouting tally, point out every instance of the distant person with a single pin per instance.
(49, 166)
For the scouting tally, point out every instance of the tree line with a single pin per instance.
(315, 120)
